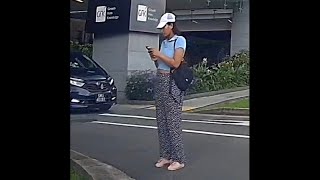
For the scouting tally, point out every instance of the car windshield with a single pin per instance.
(82, 62)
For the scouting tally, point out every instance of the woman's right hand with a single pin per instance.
(153, 58)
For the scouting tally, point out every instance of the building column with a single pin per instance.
(240, 29)
(122, 30)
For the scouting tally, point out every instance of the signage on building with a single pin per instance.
(145, 15)
(111, 16)
(142, 13)
(108, 16)
(101, 13)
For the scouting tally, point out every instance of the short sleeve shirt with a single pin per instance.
(168, 49)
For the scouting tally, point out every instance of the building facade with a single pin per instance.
(214, 29)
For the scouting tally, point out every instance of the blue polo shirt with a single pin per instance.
(168, 49)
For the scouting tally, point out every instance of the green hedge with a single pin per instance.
(233, 72)
(140, 85)
(84, 48)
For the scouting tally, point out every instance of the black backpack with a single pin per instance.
(183, 76)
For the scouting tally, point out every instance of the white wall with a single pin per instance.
(240, 30)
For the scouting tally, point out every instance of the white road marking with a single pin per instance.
(216, 115)
(221, 122)
(184, 130)
(242, 123)
(215, 134)
(122, 124)
(128, 116)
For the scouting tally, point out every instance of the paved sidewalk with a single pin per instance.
(96, 169)
(195, 103)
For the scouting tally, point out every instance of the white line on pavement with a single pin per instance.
(216, 115)
(128, 116)
(242, 123)
(215, 134)
(184, 130)
(122, 124)
(221, 122)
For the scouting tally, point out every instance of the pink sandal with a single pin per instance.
(175, 166)
(162, 162)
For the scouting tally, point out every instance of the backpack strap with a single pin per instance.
(171, 68)
(171, 79)
(174, 48)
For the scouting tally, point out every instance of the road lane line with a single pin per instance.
(220, 122)
(128, 116)
(184, 130)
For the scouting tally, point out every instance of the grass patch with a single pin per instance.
(244, 103)
(74, 175)
(225, 107)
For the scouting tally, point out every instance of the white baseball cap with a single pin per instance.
(166, 18)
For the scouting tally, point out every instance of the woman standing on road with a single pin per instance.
(169, 104)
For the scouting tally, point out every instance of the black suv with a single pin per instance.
(90, 85)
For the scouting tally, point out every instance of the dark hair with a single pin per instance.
(175, 28)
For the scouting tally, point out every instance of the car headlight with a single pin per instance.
(76, 82)
(111, 81)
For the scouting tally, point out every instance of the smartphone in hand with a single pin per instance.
(148, 48)
(149, 51)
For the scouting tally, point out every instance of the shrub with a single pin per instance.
(84, 48)
(231, 73)
(140, 85)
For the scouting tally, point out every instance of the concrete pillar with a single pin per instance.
(123, 30)
(124, 53)
(240, 29)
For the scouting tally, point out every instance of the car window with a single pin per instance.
(82, 62)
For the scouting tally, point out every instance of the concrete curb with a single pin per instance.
(212, 93)
(211, 106)
(219, 116)
(214, 105)
(232, 111)
(96, 169)
(191, 96)
(80, 170)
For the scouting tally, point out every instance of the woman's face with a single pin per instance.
(166, 30)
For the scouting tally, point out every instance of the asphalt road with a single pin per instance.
(217, 147)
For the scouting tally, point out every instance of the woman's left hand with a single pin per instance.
(156, 53)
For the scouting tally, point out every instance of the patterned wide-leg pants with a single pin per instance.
(168, 114)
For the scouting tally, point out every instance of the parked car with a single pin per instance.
(91, 87)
